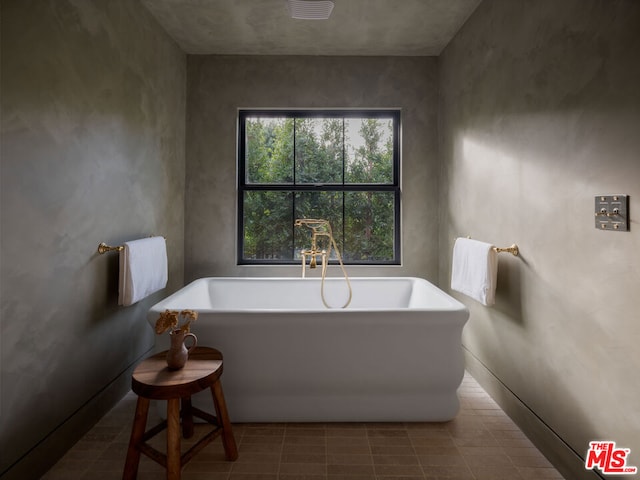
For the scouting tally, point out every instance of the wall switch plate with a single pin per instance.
(612, 212)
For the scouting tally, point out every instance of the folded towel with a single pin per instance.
(474, 270)
(143, 269)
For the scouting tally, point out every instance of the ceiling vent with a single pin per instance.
(310, 9)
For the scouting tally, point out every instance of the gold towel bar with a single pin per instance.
(104, 248)
(513, 250)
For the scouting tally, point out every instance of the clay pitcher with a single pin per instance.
(178, 353)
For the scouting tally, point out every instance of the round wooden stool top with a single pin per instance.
(153, 379)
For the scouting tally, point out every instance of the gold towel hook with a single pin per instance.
(104, 248)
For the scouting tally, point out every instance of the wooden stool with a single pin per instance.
(153, 380)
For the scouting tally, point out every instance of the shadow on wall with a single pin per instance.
(509, 289)
(561, 407)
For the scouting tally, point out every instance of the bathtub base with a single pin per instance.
(378, 408)
(437, 407)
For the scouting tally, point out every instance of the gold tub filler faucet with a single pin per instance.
(321, 228)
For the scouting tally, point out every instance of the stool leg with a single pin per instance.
(173, 439)
(187, 418)
(137, 432)
(228, 441)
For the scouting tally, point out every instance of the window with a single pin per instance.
(342, 166)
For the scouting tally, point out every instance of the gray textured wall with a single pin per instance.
(93, 115)
(540, 112)
(219, 85)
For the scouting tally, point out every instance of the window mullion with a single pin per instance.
(344, 173)
(294, 151)
(293, 196)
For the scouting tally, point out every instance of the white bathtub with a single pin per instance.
(394, 354)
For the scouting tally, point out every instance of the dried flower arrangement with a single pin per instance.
(170, 320)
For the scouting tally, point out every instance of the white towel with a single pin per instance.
(143, 269)
(474, 270)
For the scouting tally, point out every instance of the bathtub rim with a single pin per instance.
(455, 306)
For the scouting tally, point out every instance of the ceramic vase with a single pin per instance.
(178, 352)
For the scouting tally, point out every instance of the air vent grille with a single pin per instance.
(310, 9)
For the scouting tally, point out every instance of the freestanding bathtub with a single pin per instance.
(394, 354)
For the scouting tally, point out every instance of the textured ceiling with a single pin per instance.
(356, 27)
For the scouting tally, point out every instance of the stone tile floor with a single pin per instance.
(481, 443)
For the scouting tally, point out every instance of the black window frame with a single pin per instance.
(243, 186)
